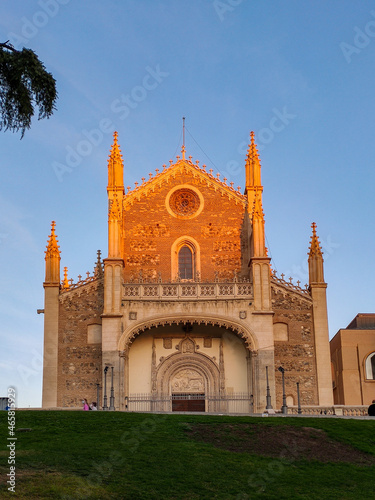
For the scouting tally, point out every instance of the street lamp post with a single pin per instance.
(268, 398)
(299, 400)
(105, 407)
(112, 398)
(97, 395)
(284, 408)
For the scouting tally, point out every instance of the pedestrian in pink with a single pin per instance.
(85, 405)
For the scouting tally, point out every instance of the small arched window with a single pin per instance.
(185, 263)
(370, 366)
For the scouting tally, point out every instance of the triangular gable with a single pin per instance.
(180, 167)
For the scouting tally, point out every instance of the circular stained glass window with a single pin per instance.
(184, 202)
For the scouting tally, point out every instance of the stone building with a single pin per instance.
(353, 362)
(185, 310)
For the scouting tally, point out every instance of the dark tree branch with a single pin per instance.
(24, 84)
(6, 45)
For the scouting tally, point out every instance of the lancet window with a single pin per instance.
(185, 263)
(370, 366)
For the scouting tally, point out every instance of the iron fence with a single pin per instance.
(240, 403)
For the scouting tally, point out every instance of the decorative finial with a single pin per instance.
(315, 248)
(252, 166)
(98, 271)
(52, 246)
(66, 285)
(252, 137)
(115, 166)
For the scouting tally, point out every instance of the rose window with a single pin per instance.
(184, 202)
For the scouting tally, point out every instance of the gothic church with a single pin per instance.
(185, 312)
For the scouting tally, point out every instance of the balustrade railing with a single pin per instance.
(187, 290)
(340, 410)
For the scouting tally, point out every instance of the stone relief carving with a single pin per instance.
(187, 380)
(187, 346)
(167, 343)
(207, 342)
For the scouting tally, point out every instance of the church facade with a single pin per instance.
(185, 312)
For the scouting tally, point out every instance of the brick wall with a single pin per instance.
(79, 363)
(297, 355)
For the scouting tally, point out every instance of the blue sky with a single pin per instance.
(300, 74)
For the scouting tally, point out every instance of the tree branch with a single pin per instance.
(6, 45)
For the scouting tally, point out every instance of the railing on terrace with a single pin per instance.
(188, 290)
(346, 411)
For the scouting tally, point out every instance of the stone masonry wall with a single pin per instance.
(150, 231)
(79, 363)
(297, 354)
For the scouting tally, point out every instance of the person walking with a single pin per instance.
(371, 409)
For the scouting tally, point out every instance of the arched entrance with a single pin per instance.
(188, 378)
(188, 367)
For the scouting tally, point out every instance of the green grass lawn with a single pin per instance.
(143, 456)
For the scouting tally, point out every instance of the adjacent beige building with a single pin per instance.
(185, 310)
(353, 362)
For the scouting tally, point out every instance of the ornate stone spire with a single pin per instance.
(98, 271)
(116, 193)
(252, 171)
(253, 178)
(257, 212)
(316, 274)
(52, 258)
(115, 168)
(315, 248)
(52, 246)
(65, 283)
(258, 245)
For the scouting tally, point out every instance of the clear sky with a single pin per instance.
(300, 74)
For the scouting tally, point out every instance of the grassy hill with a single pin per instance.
(73, 455)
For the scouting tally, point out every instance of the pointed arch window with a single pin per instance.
(185, 263)
(185, 259)
(370, 366)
